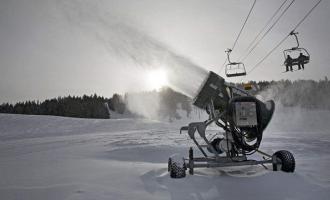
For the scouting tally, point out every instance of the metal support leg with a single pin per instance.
(201, 128)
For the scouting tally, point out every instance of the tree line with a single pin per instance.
(95, 106)
(71, 106)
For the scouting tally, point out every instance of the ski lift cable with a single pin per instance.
(268, 54)
(268, 31)
(309, 12)
(240, 32)
(266, 25)
(297, 25)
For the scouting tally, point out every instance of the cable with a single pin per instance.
(240, 32)
(268, 54)
(265, 26)
(309, 12)
(268, 31)
(247, 17)
(297, 25)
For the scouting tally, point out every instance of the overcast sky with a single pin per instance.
(52, 48)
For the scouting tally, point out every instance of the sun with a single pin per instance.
(156, 79)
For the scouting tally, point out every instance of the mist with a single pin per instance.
(144, 104)
(123, 39)
(307, 94)
(301, 106)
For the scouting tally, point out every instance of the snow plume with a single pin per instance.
(301, 105)
(301, 93)
(270, 92)
(146, 104)
(127, 42)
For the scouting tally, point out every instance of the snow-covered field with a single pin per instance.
(46, 157)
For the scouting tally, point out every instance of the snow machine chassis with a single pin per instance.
(217, 161)
(281, 160)
(242, 118)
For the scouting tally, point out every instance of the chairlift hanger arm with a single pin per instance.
(295, 35)
(228, 51)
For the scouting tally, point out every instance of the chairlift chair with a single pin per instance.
(234, 69)
(294, 53)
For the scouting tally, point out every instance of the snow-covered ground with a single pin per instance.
(46, 157)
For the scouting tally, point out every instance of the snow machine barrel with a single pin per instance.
(246, 115)
(213, 90)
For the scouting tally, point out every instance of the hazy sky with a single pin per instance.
(51, 48)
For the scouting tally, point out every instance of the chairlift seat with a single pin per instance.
(236, 74)
(295, 61)
(294, 54)
(235, 69)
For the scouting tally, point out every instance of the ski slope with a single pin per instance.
(47, 157)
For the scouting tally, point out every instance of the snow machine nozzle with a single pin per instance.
(212, 90)
(242, 117)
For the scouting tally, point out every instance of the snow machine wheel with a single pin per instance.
(169, 164)
(176, 168)
(285, 161)
(191, 161)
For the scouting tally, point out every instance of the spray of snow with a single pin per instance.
(300, 106)
(302, 93)
(124, 40)
(145, 104)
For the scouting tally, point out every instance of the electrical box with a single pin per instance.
(245, 114)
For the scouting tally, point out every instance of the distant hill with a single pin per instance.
(169, 104)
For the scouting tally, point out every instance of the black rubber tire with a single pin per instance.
(287, 160)
(191, 161)
(169, 164)
(176, 171)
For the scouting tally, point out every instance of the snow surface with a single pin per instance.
(46, 157)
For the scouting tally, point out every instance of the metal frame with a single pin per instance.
(216, 160)
(230, 66)
(287, 52)
(239, 66)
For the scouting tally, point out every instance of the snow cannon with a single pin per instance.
(241, 119)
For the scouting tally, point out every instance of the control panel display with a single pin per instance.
(245, 114)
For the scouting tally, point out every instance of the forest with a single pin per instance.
(95, 106)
